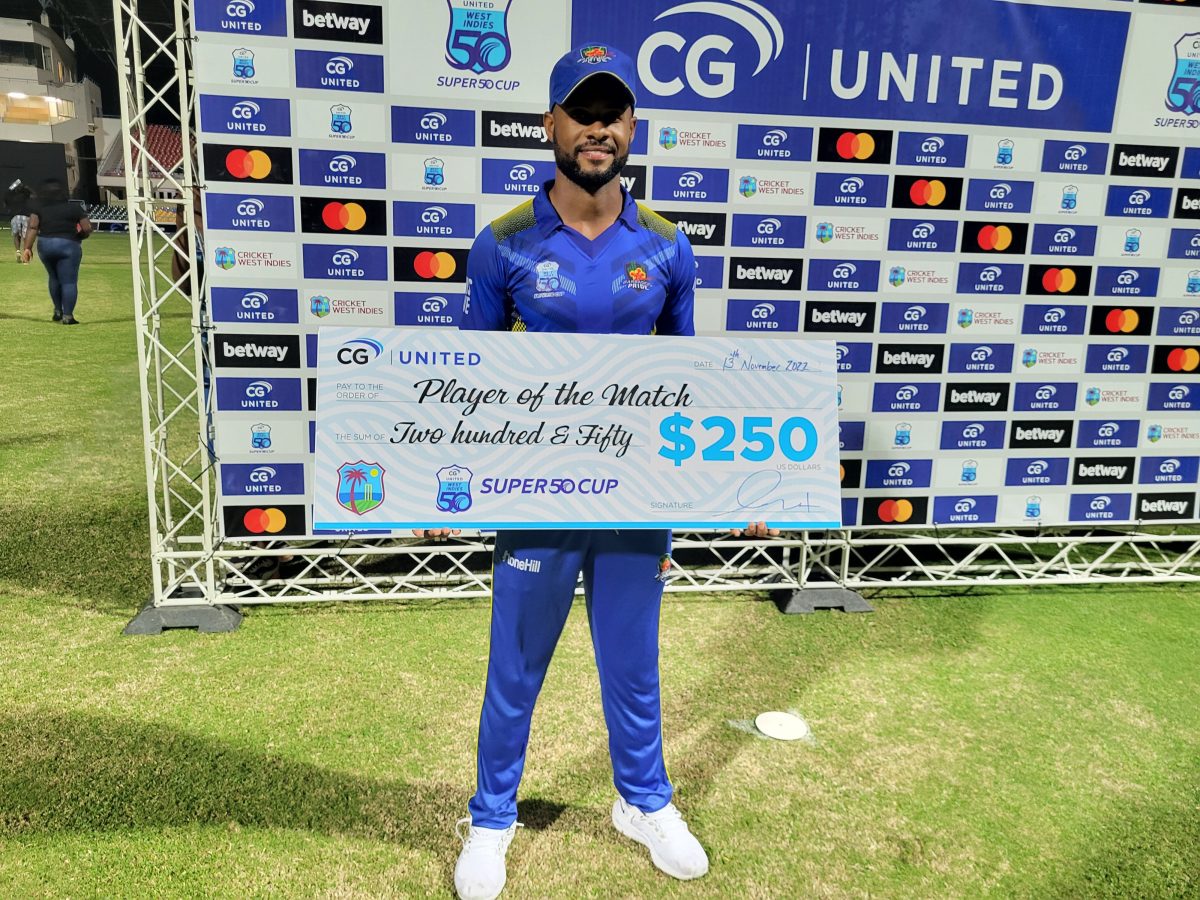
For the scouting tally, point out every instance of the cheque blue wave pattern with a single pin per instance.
(533, 359)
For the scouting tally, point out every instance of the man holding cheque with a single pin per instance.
(582, 256)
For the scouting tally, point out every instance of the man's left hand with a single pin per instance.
(755, 530)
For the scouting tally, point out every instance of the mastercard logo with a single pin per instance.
(1058, 281)
(264, 521)
(428, 264)
(343, 216)
(895, 512)
(1183, 359)
(855, 146)
(1122, 321)
(927, 192)
(248, 164)
(994, 237)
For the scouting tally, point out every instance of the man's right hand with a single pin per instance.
(436, 534)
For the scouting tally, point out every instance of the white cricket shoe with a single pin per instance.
(479, 873)
(673, 848)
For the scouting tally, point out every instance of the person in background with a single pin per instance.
(62, 225)
(19, 202)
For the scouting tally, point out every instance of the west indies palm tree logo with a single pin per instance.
(360, 486)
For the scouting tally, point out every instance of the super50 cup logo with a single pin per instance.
(477, 39)
(1183, 93)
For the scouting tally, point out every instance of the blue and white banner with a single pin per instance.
(867, 172)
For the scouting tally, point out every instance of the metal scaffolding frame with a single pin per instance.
(193, 566)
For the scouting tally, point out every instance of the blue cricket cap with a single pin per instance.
(579, 64)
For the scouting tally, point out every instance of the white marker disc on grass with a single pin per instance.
(781, 726)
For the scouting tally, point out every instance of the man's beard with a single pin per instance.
(591, 182)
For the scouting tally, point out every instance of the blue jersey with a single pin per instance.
(527, 271)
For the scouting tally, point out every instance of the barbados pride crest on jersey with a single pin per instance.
(637, 277)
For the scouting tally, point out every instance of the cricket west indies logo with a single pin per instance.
(360, 486)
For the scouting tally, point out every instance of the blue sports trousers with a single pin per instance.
(533, 586)
(61, 256)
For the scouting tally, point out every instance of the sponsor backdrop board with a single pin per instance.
(993, 209)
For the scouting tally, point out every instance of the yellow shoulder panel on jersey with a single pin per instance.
(652, 221)
(514, 221)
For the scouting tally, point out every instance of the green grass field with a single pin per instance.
(1040, 743)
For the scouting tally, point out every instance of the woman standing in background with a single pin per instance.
(62, 224)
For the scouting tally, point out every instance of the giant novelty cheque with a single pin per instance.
(421, 429)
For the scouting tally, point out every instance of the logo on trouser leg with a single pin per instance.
(664, 573)
(521, 565)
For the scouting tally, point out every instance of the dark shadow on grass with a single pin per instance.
(800, 650)
(537, 814)
(79, 773)
(97, 557)
(26, 441)
(1145, 849)
(84, 320)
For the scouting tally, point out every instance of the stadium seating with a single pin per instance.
(117, 217)
(164, 144)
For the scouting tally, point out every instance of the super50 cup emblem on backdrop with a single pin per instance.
(477, 39)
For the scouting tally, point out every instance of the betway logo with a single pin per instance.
(907, 358)
(336, 22)
(837, 317)
(991, 398)
(1179, 507)
(762, 273)
(255, 351)
(1143, 161)
(696, 229)
(1101, 470)
(1039, 434)
(517, 129)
